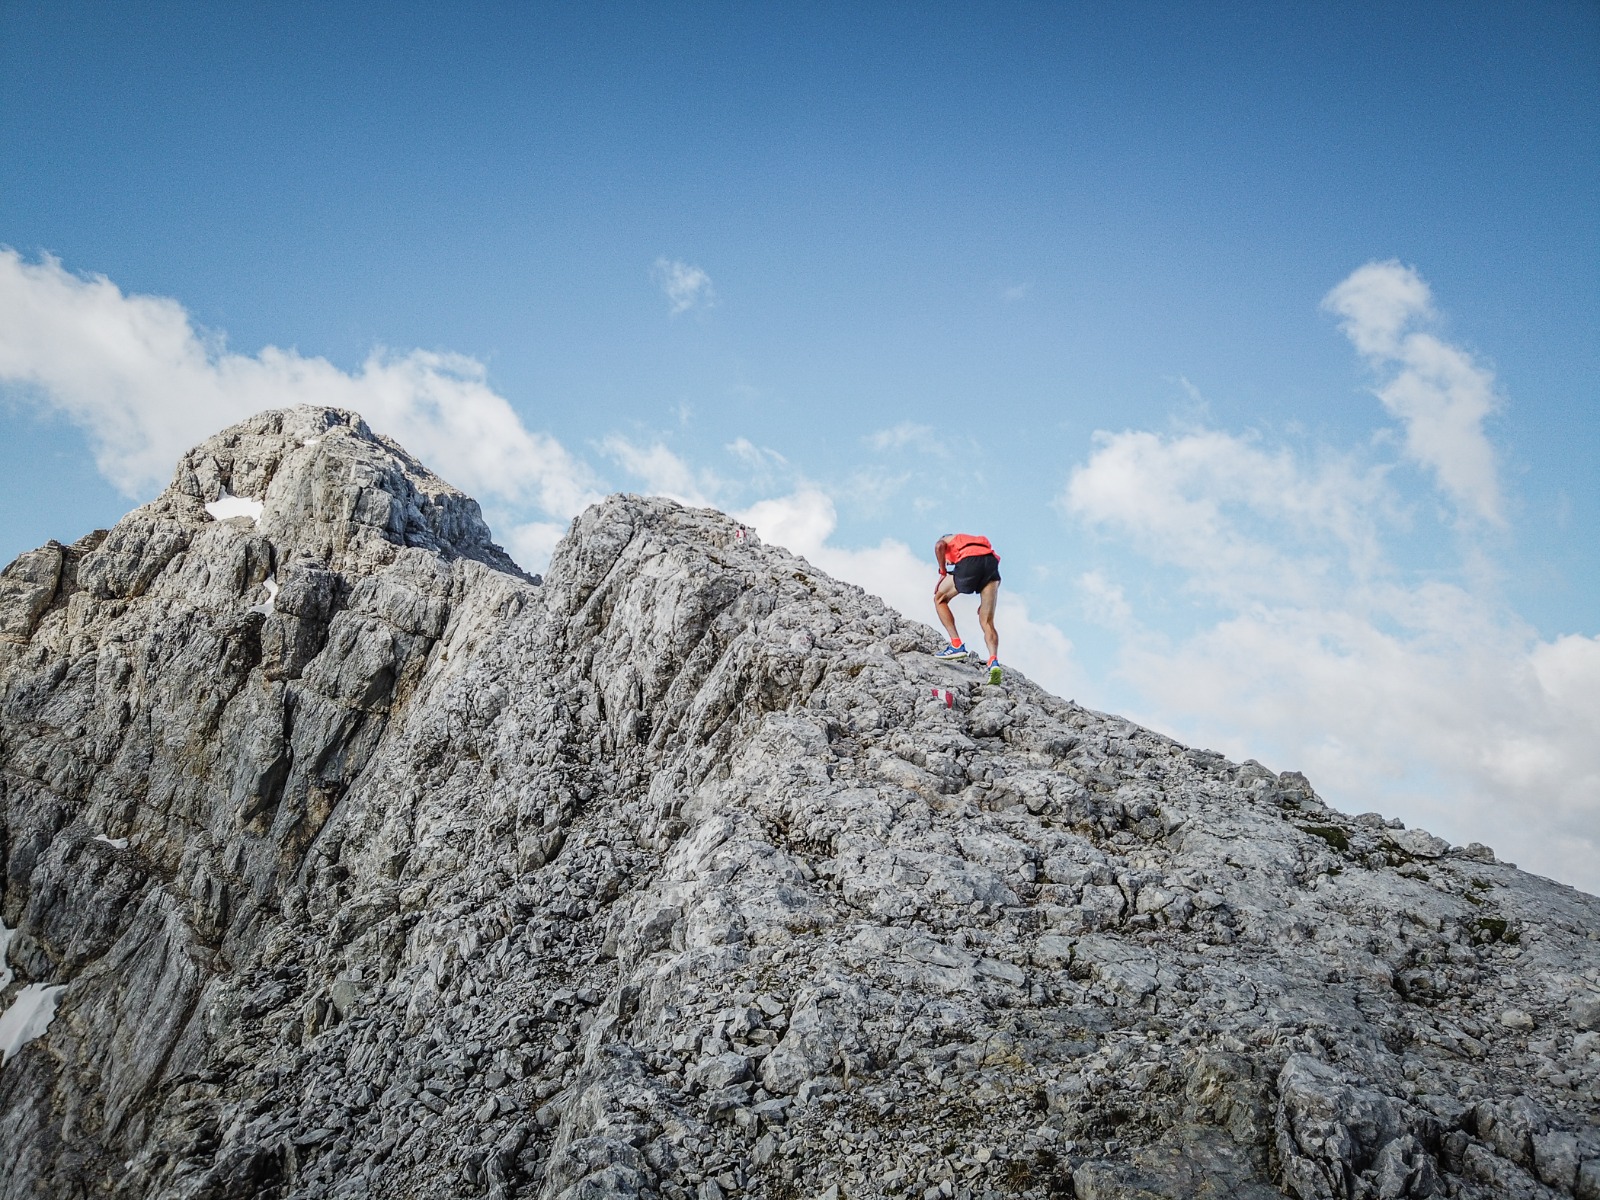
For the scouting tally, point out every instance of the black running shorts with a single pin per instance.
(975, 572)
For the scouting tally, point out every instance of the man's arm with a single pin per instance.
(938, 553)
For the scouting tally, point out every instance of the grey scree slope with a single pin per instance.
(669, 878)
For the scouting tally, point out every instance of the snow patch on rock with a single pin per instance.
(227, 506)
(28, 1017)
(267, 607)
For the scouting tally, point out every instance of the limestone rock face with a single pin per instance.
(368, 865)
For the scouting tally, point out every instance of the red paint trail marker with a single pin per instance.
(946, 695)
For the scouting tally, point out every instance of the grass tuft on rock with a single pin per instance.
(1331, 834)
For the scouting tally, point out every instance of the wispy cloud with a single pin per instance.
(759, 457)
(685, 286)
(1437, 391)
(765, 470)
(871, 490)
(1197, 399)
(907, 435)
(1014, 292)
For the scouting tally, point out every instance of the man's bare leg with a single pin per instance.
(942, 595)
(986, 599)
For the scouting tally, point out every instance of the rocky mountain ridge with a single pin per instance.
(366, 864)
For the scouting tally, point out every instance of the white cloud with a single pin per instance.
(804, 522)
(662, 472)
(1455, 718)
(1416, 696)
(533, 542)
(1437, 391)
(1201, 501)
(684, 285)
(1104, 601)
(144, 384)
(1378, 301)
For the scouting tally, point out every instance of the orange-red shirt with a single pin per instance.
(965, 545)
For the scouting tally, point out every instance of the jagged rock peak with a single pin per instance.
(323, 483)
(317, 494)
(691, 874)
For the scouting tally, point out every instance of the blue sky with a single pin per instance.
(1067, 275)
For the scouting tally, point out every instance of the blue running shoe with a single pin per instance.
(954, 653)
(994, 671)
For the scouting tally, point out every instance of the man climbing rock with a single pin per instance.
(968, 566)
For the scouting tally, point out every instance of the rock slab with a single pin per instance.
(669, 876)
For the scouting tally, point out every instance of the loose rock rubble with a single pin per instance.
(669, 876)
